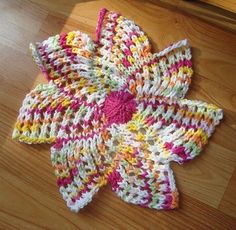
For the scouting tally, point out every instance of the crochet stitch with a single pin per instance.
(115, 113)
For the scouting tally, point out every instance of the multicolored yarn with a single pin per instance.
(115, 113)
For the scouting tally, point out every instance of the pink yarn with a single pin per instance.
(119, 107)
(114, 178)
(99, 24)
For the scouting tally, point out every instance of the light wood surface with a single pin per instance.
(29, 197)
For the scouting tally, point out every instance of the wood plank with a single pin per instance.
(19, 23)
(224, 4)
(228, 202)
(208, 13)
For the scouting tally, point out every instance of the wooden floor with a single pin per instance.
(29, 197)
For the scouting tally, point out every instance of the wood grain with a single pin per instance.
(225, 4)
(29, 197)
(211, 13)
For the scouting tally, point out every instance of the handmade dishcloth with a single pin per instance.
(115, 113)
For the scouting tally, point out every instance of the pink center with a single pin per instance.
(119, 107)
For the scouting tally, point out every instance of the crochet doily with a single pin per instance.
(115, 113)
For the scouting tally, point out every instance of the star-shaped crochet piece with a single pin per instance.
(115, 113)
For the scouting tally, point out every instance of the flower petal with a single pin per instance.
(138, 179)
(82, 154)
(81, 165)
(167, 74)
(192, 125)
(66, 58)
(41, 115)
(171, 130)
(123, 47)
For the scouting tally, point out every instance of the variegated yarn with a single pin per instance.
(115, 113)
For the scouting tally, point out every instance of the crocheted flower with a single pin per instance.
(115, 113)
